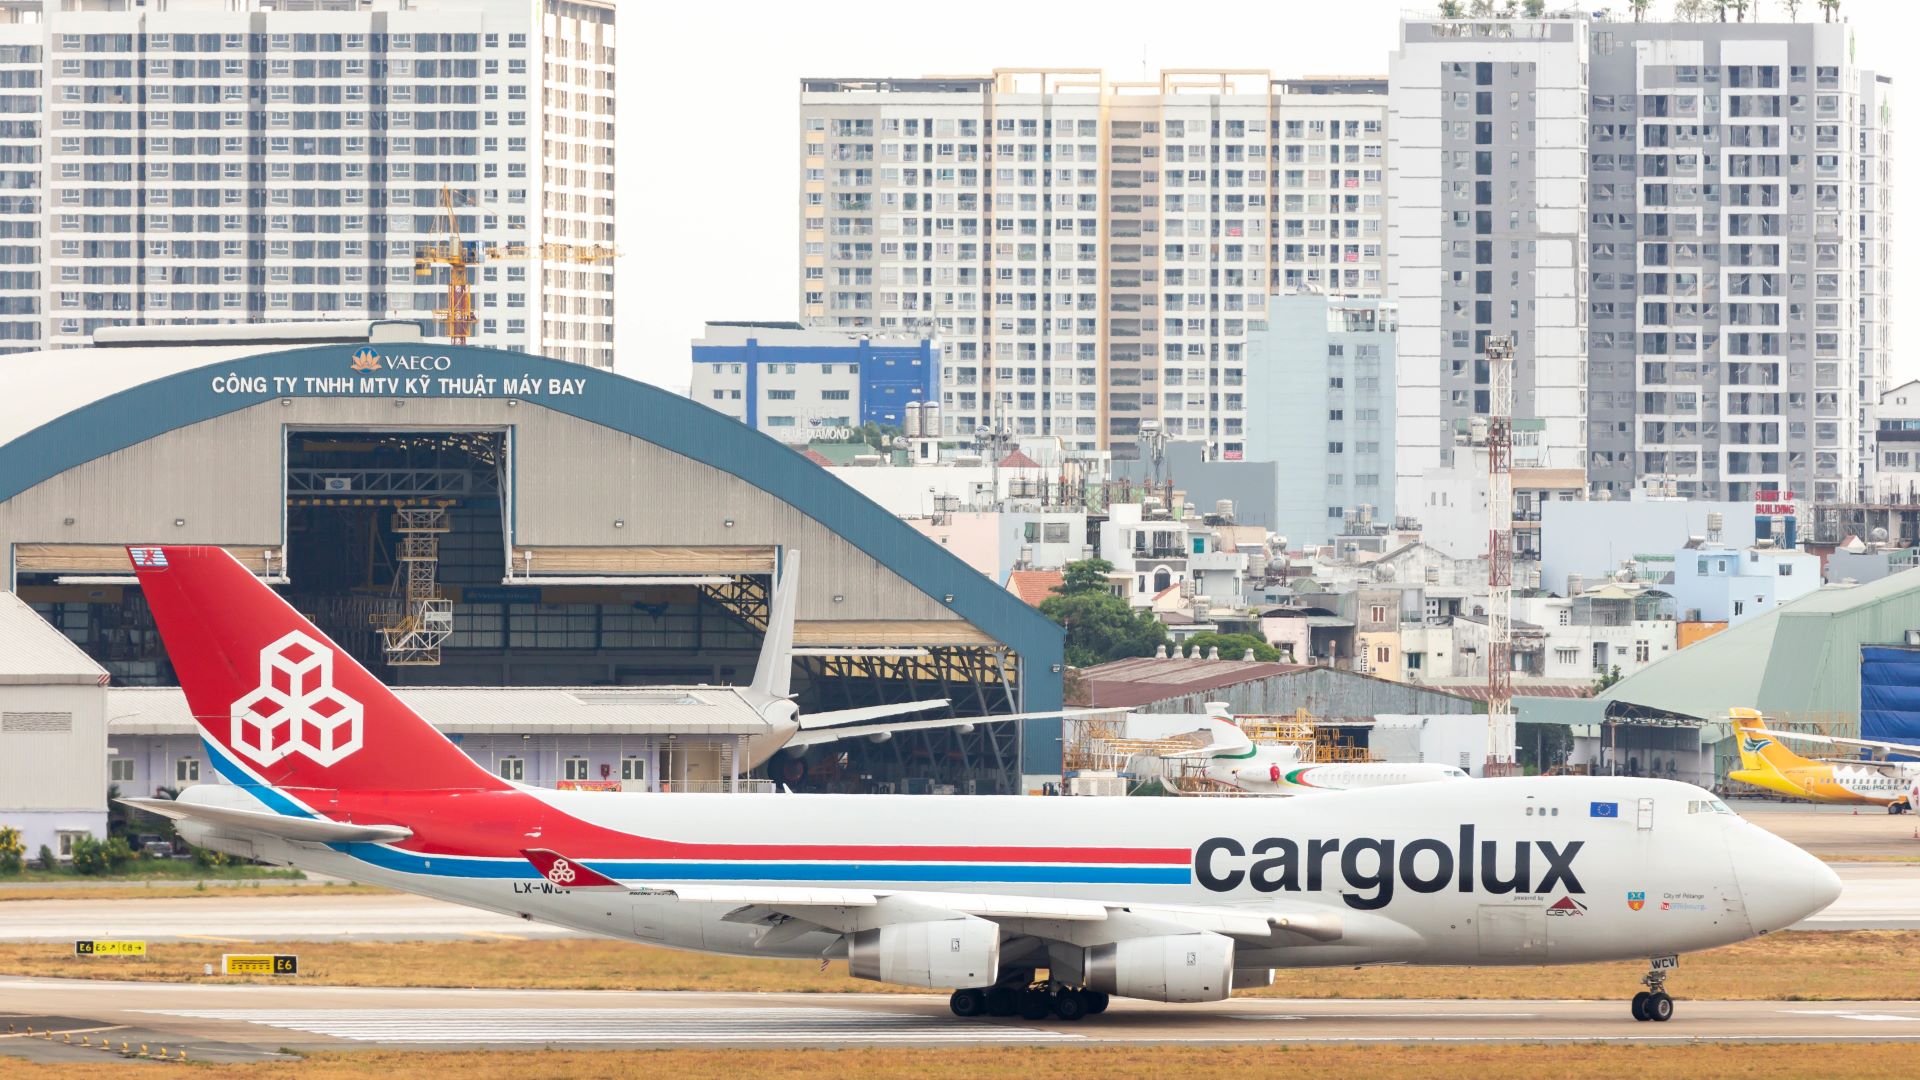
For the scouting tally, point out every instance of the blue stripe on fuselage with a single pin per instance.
(408, 862)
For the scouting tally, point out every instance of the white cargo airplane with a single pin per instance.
(1230, 758)
(1163, 899)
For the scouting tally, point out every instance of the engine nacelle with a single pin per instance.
(947, 953)
(1178, 967)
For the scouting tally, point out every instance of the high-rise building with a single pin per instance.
(1090, 252)
(1321, 379)
(1487, 230)
(1682, 225)
(186, 161)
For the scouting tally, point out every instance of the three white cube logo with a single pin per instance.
(296, 709)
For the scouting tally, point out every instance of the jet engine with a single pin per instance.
(1177, 967)
(947, 953)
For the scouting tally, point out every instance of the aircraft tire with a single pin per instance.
(1071, 1005)
(968, 1003)
(1659, 1007)
(1003, 1001)
(1640, 1005)
(1096, 1002)
(1035, 1005)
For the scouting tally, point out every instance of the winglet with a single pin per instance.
(560, 870)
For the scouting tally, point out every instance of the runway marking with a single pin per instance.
(561, 1026)
(1387, 1016)
(1866, 1016)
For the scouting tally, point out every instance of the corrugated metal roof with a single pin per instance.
(595, 710)
(1801, 657)
(1126, 683)
(33, 653)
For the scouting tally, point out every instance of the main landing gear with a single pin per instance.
(1034, 1001)
(1653, 1002)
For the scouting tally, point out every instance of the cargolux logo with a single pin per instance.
(561, 872)
(296, 709)
(1366, 870)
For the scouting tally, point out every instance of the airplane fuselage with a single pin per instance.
(1522, 871)
(1864, 784)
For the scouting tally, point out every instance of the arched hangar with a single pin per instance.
(469, 517)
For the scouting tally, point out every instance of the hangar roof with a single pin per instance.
(1801, 657)
(463, 710)
(45, 386)
(35, 654)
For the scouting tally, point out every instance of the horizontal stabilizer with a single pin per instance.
(316, 830)
(569, 873)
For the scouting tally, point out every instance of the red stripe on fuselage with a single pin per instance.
(499, 824)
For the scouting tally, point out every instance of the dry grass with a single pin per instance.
(157, 891)
(1862, 965)
(1586, 1061)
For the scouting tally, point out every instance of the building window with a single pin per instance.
(1786, 569)
(513, 768)
(1379, 613)
(1381, 653)
(186, 771)
(780, 395)
(1641, 654)
(1739, 607)
(835, 395)
(121, 770)
(633, 769)
(574, 768)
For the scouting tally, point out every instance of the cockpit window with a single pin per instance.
(1707, 806)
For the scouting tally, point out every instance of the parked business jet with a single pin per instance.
(1163, 899)
(1766, 763)
(1231, 759)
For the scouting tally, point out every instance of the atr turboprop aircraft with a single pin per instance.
(1164, 899)
(1766, 762)
(1233, 760)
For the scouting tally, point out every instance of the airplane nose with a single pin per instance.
(1779, 883)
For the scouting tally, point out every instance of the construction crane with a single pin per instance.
(1500, 722)
(456, 255)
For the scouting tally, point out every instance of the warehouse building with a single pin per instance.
(462, 518)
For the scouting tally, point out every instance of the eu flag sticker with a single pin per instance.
(1604, 809)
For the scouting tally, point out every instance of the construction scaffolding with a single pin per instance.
(413, 637)
(1500, 723)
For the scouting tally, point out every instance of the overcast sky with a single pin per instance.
(709, 110)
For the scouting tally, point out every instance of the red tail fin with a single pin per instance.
(570, 873)
(277, 700)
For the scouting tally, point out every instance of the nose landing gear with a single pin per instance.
(1653, 1002)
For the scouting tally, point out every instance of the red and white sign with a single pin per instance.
(1774, 503)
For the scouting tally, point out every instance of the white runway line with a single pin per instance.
(562, 1026)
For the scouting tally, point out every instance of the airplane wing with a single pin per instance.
(287, 828)
(845, 910)
(811, 735)
(1834, 740)
(871, 712)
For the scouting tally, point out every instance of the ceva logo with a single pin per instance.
(296, 709)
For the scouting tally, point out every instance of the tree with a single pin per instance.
(1607, 679)
(11, 850)
(1793, 9)
(1100, 626)
(1829, 8)
(97, 857)
(1234, 646)
(1739, 9)
(47, 861)
(1640, 8)
(1451, 9)
(1534, 8)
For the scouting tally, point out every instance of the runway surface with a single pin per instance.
(255, 1022)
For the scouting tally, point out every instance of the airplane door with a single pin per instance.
(1513, 931)
(1644, 816)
